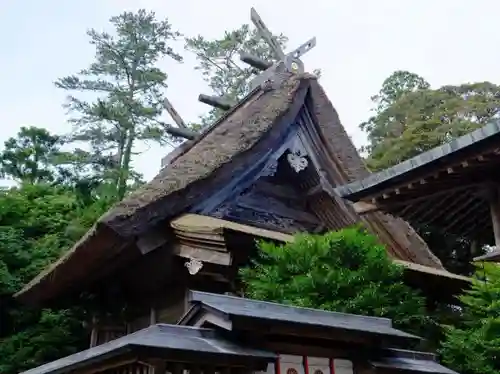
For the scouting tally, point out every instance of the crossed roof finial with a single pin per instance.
(265, 70)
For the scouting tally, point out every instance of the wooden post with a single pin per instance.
(152, 316)
(494, 198)
(158, 367)
(94, 332)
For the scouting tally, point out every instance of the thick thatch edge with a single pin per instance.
(144, 207)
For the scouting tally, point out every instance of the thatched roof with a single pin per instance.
(201, 166)
(188, 173)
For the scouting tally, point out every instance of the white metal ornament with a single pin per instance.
(297, 156)
(193, 266)
(297, 162)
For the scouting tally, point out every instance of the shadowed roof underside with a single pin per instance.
(202, 166)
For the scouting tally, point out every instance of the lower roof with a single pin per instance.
(168, 339)
(231, 306)
(199, 346)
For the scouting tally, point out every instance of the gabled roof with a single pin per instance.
(203, 166)
(175, 342)
(449, 187)
(252, 311)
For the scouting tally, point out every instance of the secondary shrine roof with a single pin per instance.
(444, 187)
(253, 310)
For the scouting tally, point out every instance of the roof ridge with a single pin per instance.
(372, 318)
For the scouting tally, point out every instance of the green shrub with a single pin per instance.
(473, 346)
(344, 271)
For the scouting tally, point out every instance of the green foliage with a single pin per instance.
(34, 156)
(410, 118)
(129, 92)
(473, 347)
(33, 233)
(38, 222)
(50, 335)
(395, 87)
(344, 271)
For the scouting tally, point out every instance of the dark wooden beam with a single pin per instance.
(395, 205)
(255, 61)
(216, 102)
(438, 206)
(475, 224)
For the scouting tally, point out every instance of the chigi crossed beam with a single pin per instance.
(265, 70)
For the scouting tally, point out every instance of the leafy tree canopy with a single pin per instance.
(33, 223)
(38, 222)
(473, 346)
(411, 118)
(32, 157)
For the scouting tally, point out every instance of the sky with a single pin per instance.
(359, 44)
